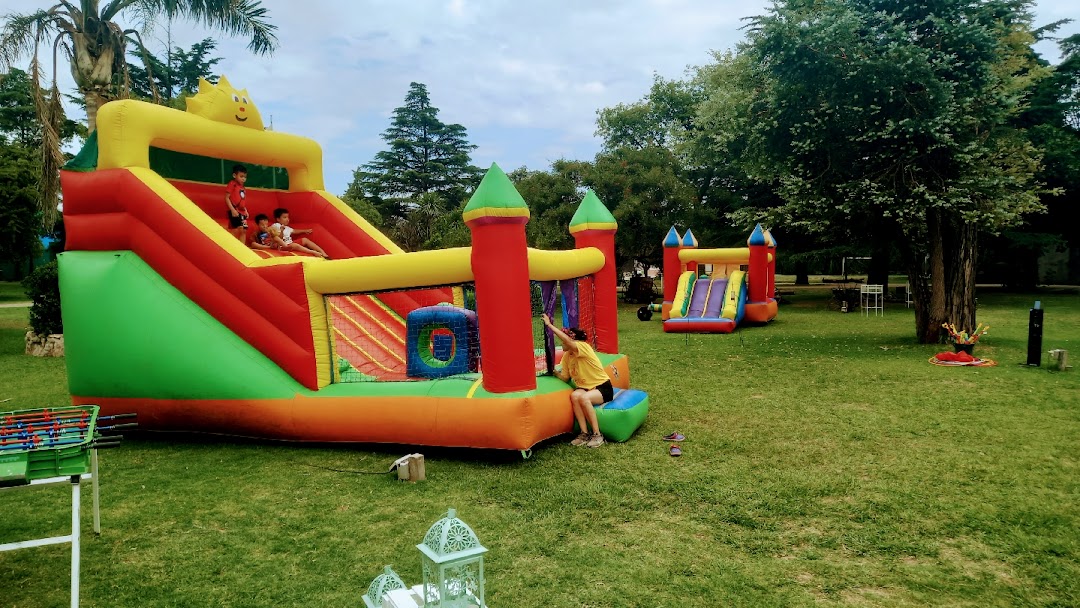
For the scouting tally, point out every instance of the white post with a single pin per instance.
(75, 541)
(97, 493)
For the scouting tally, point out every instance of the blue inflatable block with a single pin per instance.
(431, 355)
(443, 346)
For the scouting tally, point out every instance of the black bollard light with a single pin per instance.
(1035, 325)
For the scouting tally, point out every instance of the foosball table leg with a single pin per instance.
(97, 493)
(76, 533)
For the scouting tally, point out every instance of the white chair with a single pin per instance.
(872, 297)
(907, 296)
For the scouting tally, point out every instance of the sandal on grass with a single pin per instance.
(675, 450)
(676, 436)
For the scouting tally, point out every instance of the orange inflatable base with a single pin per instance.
(512, 424)
(512, 421)
(760, 312)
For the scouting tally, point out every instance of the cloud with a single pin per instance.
(456, 8)
(524, 78)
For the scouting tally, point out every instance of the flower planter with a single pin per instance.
(963, 348)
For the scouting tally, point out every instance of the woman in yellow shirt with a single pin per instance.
(591, 382)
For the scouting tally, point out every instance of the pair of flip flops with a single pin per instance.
(675, 450)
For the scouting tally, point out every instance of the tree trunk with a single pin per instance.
(802, 273)
(96, 53)
(929, 330)
(915, 259)
(1024, 275)
(878, 273)
(961, 249)
(94, 101)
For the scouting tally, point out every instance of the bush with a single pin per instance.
(43, 288)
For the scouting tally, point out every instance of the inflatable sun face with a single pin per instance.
(222, 103)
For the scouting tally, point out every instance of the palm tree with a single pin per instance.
(87, 34)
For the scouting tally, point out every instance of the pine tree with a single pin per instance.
(426, 157)
(177, 74)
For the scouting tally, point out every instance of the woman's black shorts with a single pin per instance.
(606, 391)
(237, 221)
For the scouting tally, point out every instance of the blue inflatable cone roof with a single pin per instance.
(672, 239)
(688, 239)
(757, 237)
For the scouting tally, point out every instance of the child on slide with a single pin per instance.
(285, 232)
(265, 239)
(592, 384)
(235, 196)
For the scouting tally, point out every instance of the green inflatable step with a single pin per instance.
(623, 415)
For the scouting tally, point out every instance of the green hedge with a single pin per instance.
(43, 288)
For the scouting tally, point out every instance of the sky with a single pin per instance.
(524, 78)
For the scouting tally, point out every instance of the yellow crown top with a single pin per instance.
(222, 102)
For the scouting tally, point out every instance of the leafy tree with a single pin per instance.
(552, 197)
(662, 118)
(364, 208)
(641, 187)
(20, 168)
(667, 131)
(19, 171)
(647, 194)
(892, 115)
(88, 33)
(426, 157)
(1052, 121)
(43, 289)
(18, 117)
(178, 74)
(449, 230)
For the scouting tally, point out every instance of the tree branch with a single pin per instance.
(146, 63)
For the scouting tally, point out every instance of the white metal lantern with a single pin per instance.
(383, 584)
(453, 564)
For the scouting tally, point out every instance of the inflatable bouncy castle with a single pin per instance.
(738, 288)
(168, 314)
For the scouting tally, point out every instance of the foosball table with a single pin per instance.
(57, 445)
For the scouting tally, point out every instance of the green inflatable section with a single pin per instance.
(620, 424)
(190, 167)
(129, 333)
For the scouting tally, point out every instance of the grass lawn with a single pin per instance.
(826, 464)
(12, 291)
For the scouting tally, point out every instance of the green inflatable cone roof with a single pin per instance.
(591, 214)
(86, 159)
(495, 197)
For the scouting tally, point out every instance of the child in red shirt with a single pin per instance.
(234, 199)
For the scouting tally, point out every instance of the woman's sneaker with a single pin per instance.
(595, 440)
(581, 439)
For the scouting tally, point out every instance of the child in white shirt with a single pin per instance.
(285, 232)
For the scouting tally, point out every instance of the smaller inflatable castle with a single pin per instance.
(737, 288)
